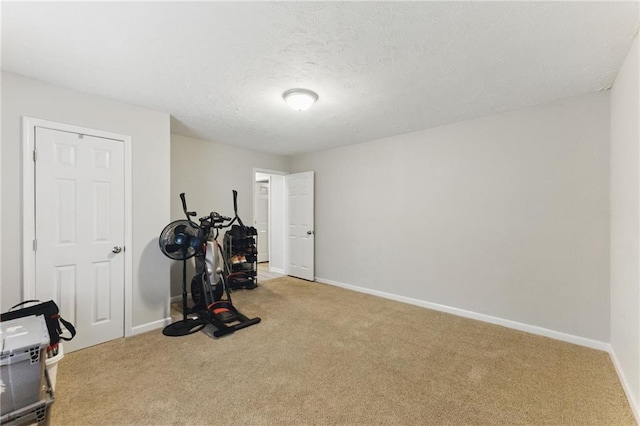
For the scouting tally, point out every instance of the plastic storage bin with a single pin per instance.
(39, 413)
(22, 362)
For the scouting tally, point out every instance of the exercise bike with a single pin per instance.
(184, 239)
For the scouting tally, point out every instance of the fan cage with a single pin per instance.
(180, 240)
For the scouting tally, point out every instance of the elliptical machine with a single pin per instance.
(183, 239)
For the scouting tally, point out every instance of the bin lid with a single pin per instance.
(24, 332)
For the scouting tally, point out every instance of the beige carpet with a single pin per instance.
(325, 355)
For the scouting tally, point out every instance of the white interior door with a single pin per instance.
(79, 220)
(299, 196)
(262, 220)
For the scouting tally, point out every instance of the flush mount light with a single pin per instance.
(300, 99)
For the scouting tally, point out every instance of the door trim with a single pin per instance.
(255, 222)
(29, 125)
(253, 209)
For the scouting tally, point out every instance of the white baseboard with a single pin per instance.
(582, 341)
(277, 270)
(635, 404)
(175, 299)
(151, 326)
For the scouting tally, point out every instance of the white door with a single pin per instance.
(299, 198)
(79, 220)
(262, 220)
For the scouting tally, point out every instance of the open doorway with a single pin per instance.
(268, 219)
(261, 215)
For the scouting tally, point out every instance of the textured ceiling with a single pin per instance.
(380, 69)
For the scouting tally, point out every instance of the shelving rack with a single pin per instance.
(241, 257)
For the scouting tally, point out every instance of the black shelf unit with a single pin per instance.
(241, 257)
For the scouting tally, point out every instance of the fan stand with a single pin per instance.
(186, 325)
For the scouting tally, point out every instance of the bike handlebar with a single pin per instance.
(235, 208)
(220, 217)
(184, 206)
(214, 217)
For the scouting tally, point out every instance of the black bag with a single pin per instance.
(51, 315)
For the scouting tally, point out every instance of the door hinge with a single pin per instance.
(35, 245)
(35, 155)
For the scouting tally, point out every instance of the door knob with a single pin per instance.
(117, 249)
(309, 232)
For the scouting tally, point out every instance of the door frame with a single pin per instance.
(29, 125)
(255, 207)
(253, 202)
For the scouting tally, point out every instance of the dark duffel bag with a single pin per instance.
(51, 315)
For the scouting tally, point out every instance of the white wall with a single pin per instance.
(625, 225)
(506, 215)
(207, 172)
(150, 158)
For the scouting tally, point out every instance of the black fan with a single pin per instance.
(179, 240)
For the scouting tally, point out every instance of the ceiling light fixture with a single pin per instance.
(300, 99)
